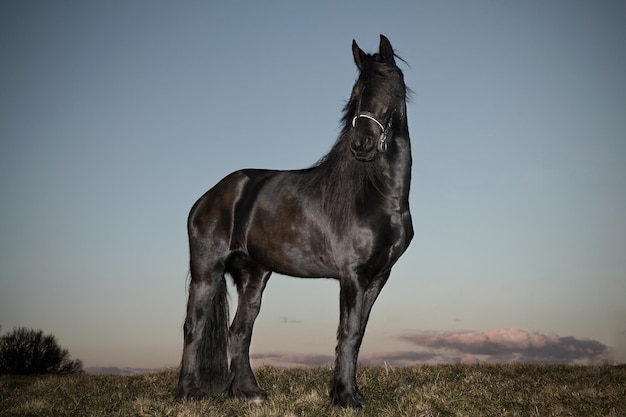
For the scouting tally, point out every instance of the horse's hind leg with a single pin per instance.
(250, 279)
(204, 368)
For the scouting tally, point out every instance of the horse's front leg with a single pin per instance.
(355, 307)
(344, 392)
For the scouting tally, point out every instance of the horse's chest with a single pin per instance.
(379, 243)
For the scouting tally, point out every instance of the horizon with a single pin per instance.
(116, 117)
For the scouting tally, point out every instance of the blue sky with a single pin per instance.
(116, 116)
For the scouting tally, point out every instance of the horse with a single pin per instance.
(346, 218)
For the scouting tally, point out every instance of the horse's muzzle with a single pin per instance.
(364, 149)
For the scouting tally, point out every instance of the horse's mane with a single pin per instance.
(339, 180)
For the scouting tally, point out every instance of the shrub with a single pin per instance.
(25, 351)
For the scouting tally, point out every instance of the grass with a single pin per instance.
(424, 391)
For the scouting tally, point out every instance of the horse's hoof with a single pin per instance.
(186, 394)
(256, 397)
(257, 400)
(355, 401)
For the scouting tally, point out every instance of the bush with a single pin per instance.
(25, 351)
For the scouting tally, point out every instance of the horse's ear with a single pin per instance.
(359, 55)
(385, 50)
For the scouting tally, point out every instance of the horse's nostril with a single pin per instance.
(367, 143)
(362, 146)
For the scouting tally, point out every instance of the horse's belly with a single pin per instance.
(294, 254)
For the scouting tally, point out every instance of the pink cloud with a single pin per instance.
(492, 346)
(504, 345)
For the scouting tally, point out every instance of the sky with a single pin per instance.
(116, 116)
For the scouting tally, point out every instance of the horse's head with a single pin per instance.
(378, 101)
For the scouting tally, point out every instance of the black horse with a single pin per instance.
(346, 218)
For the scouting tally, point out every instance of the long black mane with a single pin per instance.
(339, 178)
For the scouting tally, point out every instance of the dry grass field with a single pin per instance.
(442, 390)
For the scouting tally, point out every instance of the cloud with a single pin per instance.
(510, 345)
(492, 346)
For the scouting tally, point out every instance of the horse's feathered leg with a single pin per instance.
(204, 367)
(250, 279)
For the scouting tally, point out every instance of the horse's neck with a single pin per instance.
(399, 169)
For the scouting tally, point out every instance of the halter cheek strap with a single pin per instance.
(382, 140)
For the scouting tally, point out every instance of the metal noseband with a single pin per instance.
(382, 140)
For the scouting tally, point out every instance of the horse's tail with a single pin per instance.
(213, 358)
(205, 363)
